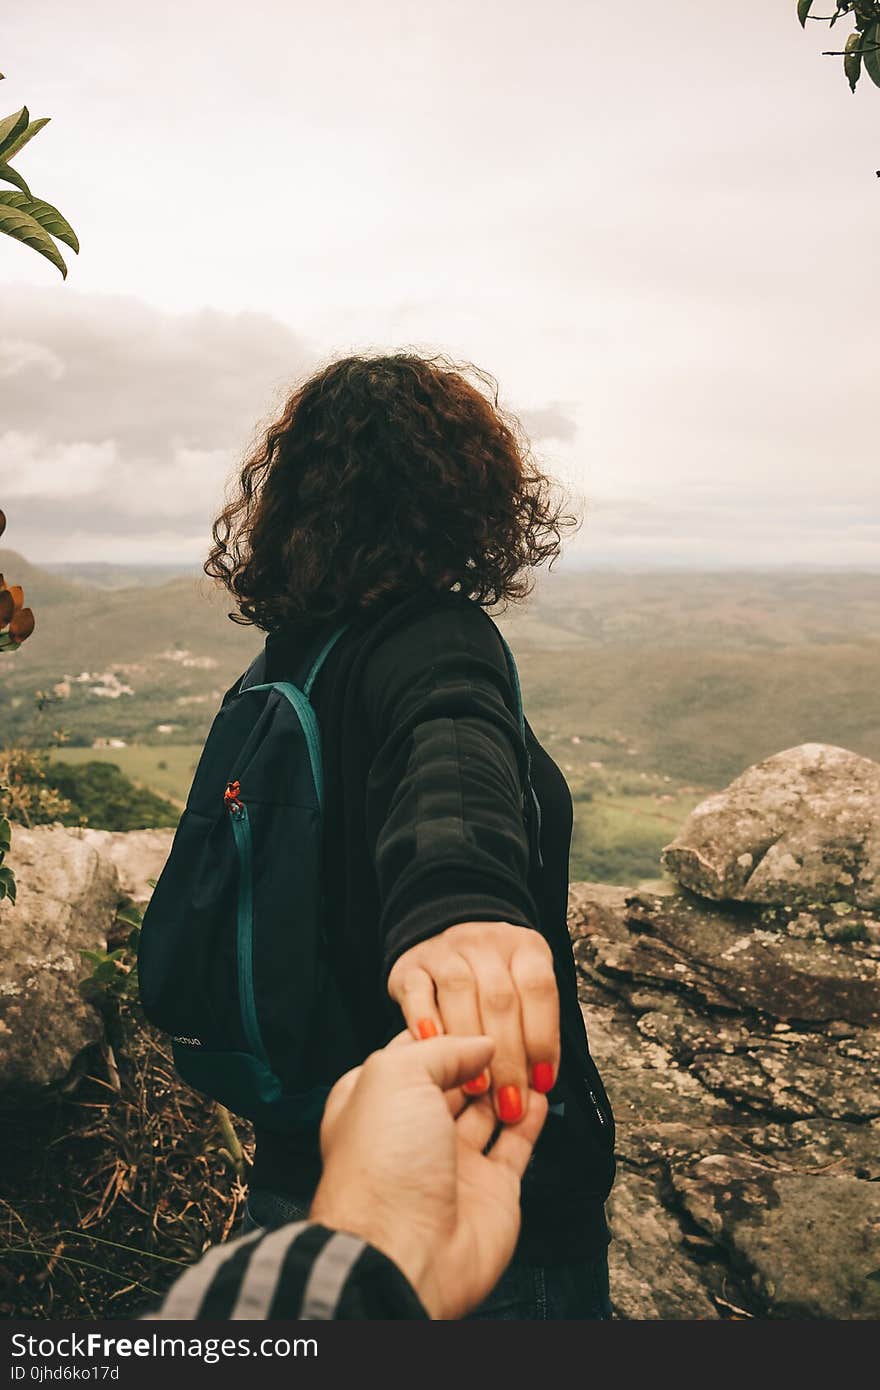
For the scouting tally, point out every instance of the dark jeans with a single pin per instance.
(272, 1209)
(538, 1293)
(525, 1293)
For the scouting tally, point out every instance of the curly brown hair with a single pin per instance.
(383, 475)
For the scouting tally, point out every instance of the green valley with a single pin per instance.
(648, 689)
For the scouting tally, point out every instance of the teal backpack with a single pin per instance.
(233, 963)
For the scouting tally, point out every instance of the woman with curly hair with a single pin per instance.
(393, 496)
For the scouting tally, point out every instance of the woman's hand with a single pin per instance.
(490, 978)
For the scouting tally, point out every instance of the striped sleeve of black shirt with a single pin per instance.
(303, 1271)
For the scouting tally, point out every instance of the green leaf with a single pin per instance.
(104, 974)
(5, 836)
(49, 218)
(27, 134)
(804, 7)
(852, 59)
(11, 127)
(10, 175)
(871, 59)
(7, 884)
(128, 915)
(24, 228)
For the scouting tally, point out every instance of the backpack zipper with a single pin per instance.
(241, 832)
(602, 1121)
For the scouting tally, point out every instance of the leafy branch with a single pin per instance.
(23, 217)
(114, 971)
(7, 878)
(861, 52)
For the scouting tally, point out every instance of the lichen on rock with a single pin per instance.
(67, 897)
(801, 826)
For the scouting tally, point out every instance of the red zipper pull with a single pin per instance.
(232, 798)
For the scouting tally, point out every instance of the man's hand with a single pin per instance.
(404, 1168)
(491, 978)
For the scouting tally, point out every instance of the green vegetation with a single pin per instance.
(37, 792)
(101, 795)
(166, 769)
(171, 645)
(862, 47)
(28, 797)
(618, 838)
(642, 686)
(22, 216)
(7, 877)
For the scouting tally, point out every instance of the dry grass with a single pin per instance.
(111, 1189)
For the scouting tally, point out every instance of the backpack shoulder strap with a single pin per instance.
(255, 673)
(315, 668)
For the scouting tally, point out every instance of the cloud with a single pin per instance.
(20, 355)
(719, 528)
(126, 371)
(552, 421)
(64, 471)
(119, 419)
(122, 424)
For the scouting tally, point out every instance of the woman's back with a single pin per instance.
(425, 827)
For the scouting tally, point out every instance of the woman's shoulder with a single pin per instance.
(436, 624)
(431, 644)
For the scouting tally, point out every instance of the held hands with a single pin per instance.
(490, 978)
(404, 1168)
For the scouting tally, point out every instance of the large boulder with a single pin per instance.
(800, 827)
(652, 1274)
(67, 897)
(744, 960)
(810, 1243)
(741, 1060)
(139, 856)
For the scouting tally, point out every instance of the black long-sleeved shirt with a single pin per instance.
(301, 1271)
(424, 773)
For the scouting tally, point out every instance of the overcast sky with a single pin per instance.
(656, 224)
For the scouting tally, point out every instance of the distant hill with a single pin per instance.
(102, 575)
(691, 676)
(39, 585)
(697, 676)
(171, 645)
(649, 689)
(758, 609)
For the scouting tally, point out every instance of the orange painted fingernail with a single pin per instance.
(427, 1028)
(478, 1087)
(542, 1077)
(510, 1106)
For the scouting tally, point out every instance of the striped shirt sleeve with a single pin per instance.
(302, 1271)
